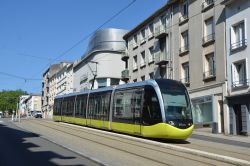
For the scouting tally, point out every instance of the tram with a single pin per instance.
(158, 108)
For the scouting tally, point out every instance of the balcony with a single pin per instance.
(125, 56)
(186, 81)
(160, 31)
(209, 75)
(134, 45)
(143, 64)
(207, 4)
(125, 75)
(207, 40)
(238, 45)
(243, 83)
(162, 58)
(184, 50)
(143, 41)
(150, 59)
(183, 19)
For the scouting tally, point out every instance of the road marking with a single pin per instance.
(1, 121)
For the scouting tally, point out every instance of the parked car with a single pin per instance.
(1, 114)
(38, 114)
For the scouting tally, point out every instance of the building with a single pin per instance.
(184, 40)
(64, 80)
(238, 56)
(46, 109)
(33, 104)
(101, 65)
(22, 105)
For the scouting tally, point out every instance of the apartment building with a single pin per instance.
(33, 103)
(101, 65)
(22, 105)
(184, 40)
(46, 109)
(238, 55)
(64, 80)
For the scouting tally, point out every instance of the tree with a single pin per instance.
(9, 99)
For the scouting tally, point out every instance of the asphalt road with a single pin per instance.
(22, 148)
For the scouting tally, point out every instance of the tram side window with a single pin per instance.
(136, 105)
(80, 106)
(122, 108)
(70, 107)
(151, 112)
(64, 107)
(106, 105)
(57, 107)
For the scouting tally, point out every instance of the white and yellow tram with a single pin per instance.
(152, 108)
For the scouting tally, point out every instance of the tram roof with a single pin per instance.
(153, 83)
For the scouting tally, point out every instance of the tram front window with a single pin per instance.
(177, 106)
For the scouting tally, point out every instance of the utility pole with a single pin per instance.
(94, 73)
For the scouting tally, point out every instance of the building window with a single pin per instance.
(208, 31)
(150, 31)
(206, 4)
(202, 110)
(143, 62)
(114, 81)
(238, 37)
(184, 42)
(142, 78)
(239, 74)
(151, 75)
(209, 66)
(143, 36)
(135, 45)
(151, 54)
(184, 12)
(185, 74)
(135, 62)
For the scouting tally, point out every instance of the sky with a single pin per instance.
(33, 33)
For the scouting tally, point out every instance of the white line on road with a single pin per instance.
(1, 121)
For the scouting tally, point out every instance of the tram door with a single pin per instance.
(137, 100)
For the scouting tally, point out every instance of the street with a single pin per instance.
(115, 149)
(19, 147)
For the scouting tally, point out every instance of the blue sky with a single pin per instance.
(33, 32)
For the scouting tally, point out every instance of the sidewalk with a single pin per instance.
(208, 133)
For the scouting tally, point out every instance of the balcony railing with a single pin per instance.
(143, 64)
(160, 31)
(183, 19)
(135, 67)
(207, 4)
(241, 83)
(125, 56)
(162, 58)
(184, 49)
(209, 74)
(208, 39)
(125, 75)
(185, 81)
(239, 44)
(150, 59)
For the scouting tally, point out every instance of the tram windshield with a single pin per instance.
(176, 103)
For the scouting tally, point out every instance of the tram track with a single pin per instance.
(68, 130)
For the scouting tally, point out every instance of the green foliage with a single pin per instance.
(9, 99)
